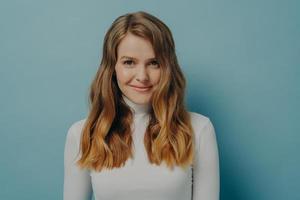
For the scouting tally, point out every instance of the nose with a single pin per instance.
(142, 74)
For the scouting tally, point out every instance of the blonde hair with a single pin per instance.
(106, 140)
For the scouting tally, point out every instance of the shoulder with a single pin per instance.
(75, 130)
(202, 127)
(199, 121)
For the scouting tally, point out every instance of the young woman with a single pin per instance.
(139, 142)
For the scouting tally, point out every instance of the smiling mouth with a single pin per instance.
(141, 89)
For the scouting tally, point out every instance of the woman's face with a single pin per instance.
(137, 70)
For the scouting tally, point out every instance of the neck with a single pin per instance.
(137, 108)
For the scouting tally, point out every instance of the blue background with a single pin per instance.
(240, 58)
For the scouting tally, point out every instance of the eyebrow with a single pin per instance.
(129, 57)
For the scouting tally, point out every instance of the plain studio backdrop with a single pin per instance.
(241, 60)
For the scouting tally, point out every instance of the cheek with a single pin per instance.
(156, 77)
(123, 76)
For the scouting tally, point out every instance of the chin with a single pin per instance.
(141, 101)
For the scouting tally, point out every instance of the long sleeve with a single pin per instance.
(206, 180)
(77, 182)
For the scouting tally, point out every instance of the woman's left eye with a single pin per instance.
(154, 62)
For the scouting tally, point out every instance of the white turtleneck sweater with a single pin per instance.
(140, 180)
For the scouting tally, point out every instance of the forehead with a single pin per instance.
(134, 46)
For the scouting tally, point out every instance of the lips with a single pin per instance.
(141, 89)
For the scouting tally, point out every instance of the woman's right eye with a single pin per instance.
(128, 62)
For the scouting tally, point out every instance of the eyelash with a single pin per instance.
(130, 61)
(126, 62)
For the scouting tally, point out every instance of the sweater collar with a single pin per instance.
(137, 108)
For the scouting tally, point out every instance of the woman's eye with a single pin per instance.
(155, 63)
(128, 62)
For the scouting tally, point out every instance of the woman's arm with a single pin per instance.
(77, 182)
(206, 180)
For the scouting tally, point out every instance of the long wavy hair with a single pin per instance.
(106, 140)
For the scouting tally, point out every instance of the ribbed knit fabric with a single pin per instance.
(140, 180)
